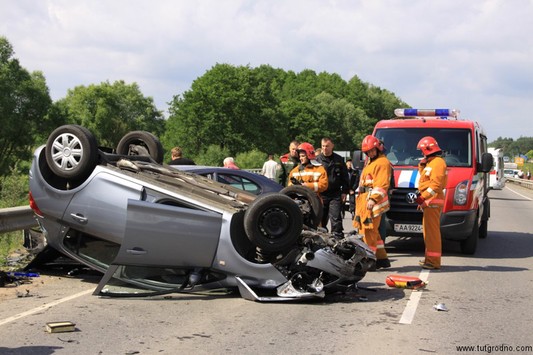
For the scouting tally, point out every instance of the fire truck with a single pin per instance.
(466, 211)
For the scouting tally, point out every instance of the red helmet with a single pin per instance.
(308, 149)
(370, 142)
(428, 145)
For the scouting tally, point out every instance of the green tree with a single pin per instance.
(231, 107)
(511, 147)
(109, 111)
(212, 155)
(24, 101)
(242, 109)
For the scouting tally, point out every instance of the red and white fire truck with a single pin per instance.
(467, 208)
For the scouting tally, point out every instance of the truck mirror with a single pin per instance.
(486, 163)
(357, 160)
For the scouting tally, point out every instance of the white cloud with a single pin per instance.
(473, 55)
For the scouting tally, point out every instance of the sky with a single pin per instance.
(475, 55)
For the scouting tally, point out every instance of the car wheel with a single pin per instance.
(71, 152)
(469, 245)
(141, 143)
(309, 203)
(273, 222)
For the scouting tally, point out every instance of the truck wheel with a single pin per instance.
(71, 152)
(484, 229)
(141, 143)
(469, 245)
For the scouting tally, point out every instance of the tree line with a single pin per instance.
(231, 110)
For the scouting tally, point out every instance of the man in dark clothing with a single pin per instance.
(338, 187)
(353, 178)
(288, 162)
(178, 159)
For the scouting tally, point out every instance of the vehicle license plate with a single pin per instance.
(412, 228)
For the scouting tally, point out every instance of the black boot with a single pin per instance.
(383, 263)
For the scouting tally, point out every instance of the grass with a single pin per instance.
(10, 243)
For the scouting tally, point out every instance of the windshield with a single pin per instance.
(400, 145)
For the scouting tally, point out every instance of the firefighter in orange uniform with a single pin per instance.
(373, 199)
(309, 172)
(433, 178)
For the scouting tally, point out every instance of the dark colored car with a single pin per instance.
(152, 229)
(240, 179)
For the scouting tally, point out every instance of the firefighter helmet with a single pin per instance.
(370, 142)
(428, 145)
(308, 149)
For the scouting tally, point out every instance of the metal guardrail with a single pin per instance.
(22, 217)
(16, 218)
(522, 182)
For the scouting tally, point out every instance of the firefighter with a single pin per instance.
(430, 199)
(373, 199)
(309, 172)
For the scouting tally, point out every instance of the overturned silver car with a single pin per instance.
(152, 229)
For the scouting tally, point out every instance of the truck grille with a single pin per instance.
(401, 210)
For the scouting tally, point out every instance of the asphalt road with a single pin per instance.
(488, 297)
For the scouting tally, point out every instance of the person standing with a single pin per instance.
(373, 199)
(178, 159)
(309, 173)
(353, 178)
(287, 162)
(270, 168)
(433, 179)
(338, 187)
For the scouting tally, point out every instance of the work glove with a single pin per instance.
(295, 181)
(419, 199)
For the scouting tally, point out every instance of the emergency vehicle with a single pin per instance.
(496, 178)
(466, 211)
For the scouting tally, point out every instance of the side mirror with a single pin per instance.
(486, 163)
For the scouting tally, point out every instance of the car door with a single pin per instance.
(166, 235)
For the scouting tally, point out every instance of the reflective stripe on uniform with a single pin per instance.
(380, 191)
(433, 253)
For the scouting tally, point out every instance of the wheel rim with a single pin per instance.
(67, 151)
(274, 223)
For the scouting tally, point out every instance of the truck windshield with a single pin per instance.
(400, 145)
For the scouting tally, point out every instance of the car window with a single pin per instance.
(239, 182)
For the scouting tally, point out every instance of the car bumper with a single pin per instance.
(455, 225)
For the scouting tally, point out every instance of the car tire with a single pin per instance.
(469, 245)
(141, 143)
(484, 229)
(273, 222)
(71, 152)
(309, 204)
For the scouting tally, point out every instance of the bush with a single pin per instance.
(212, 156)
(14, 190)
(13, 193)
(253, 159)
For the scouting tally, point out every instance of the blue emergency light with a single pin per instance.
(442, 113)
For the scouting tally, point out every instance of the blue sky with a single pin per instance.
(476, 56)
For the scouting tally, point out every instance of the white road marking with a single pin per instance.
(410, 309)
(44, 306)
(519, 194)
